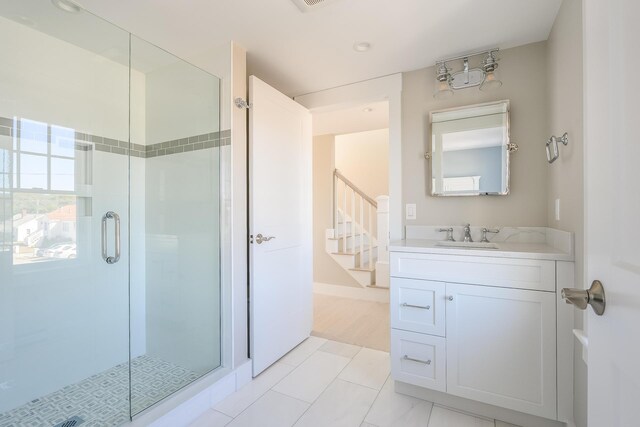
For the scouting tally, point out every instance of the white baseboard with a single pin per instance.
(382, 274)
(475, 407)
(366, 294)
(244, 374)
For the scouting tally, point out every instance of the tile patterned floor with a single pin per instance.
(330, 384)
(103, 399)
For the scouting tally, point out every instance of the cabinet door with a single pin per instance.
(418, 305)
(501, 347)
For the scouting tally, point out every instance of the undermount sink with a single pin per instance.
(468, 245)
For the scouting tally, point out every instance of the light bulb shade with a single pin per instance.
(490, 63)
(490, 82)
(443, 90)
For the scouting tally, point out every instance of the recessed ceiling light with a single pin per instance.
(66, 5)
(362, 46)
(368, 110)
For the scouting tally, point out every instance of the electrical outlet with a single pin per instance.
(557, 209)
(410, 211)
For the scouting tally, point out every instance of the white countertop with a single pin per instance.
(505, 250)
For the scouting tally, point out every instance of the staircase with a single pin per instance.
(358, 241)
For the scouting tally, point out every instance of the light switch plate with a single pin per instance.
(410, 211)
(557, 210)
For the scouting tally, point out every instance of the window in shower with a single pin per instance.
(49, 168)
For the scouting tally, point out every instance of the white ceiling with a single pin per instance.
(86, 32)
(351, 120)
(305, 52)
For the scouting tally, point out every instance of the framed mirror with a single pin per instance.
(470, 150)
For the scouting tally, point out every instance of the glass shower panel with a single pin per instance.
(175, 267)
(64, 135)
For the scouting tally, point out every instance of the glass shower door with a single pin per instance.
(175, 236)
(64, 138)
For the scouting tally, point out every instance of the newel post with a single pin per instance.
(382, 265)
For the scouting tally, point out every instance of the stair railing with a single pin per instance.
(359, 203)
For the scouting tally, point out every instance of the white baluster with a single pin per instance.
(353, 218)
(370, 239)
(344, 217)
(336, 203)
(362, 232)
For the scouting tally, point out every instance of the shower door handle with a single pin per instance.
(116, 218)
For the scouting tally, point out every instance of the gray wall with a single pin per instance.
(523, 72)
(565, 175)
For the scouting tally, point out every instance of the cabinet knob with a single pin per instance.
(450, 297)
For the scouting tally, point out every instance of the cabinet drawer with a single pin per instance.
(418, 359)
(418, 305)
(503, 272)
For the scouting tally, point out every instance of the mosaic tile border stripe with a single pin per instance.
(86, 142)
(192, 143)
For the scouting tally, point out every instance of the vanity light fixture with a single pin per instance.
(468, 77)
(443, 77)
(489, 66)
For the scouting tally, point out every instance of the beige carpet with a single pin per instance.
(351, 321)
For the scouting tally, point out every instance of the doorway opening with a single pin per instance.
(350, 225)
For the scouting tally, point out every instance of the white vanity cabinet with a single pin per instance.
(478, 327)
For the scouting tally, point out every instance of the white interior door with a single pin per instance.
(280, 197)
(612, 199)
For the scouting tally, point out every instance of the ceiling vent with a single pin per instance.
(311, 5)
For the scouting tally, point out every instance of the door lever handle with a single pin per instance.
(116, 218)
(594, 296)
(260, 238)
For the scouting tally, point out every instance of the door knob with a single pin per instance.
(260, 238)
(594, 296)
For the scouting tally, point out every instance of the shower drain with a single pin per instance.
(71, 422)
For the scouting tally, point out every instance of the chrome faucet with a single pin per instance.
(467, 233)
(449, 232)
(488, 230)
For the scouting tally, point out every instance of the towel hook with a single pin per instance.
(552, 146)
